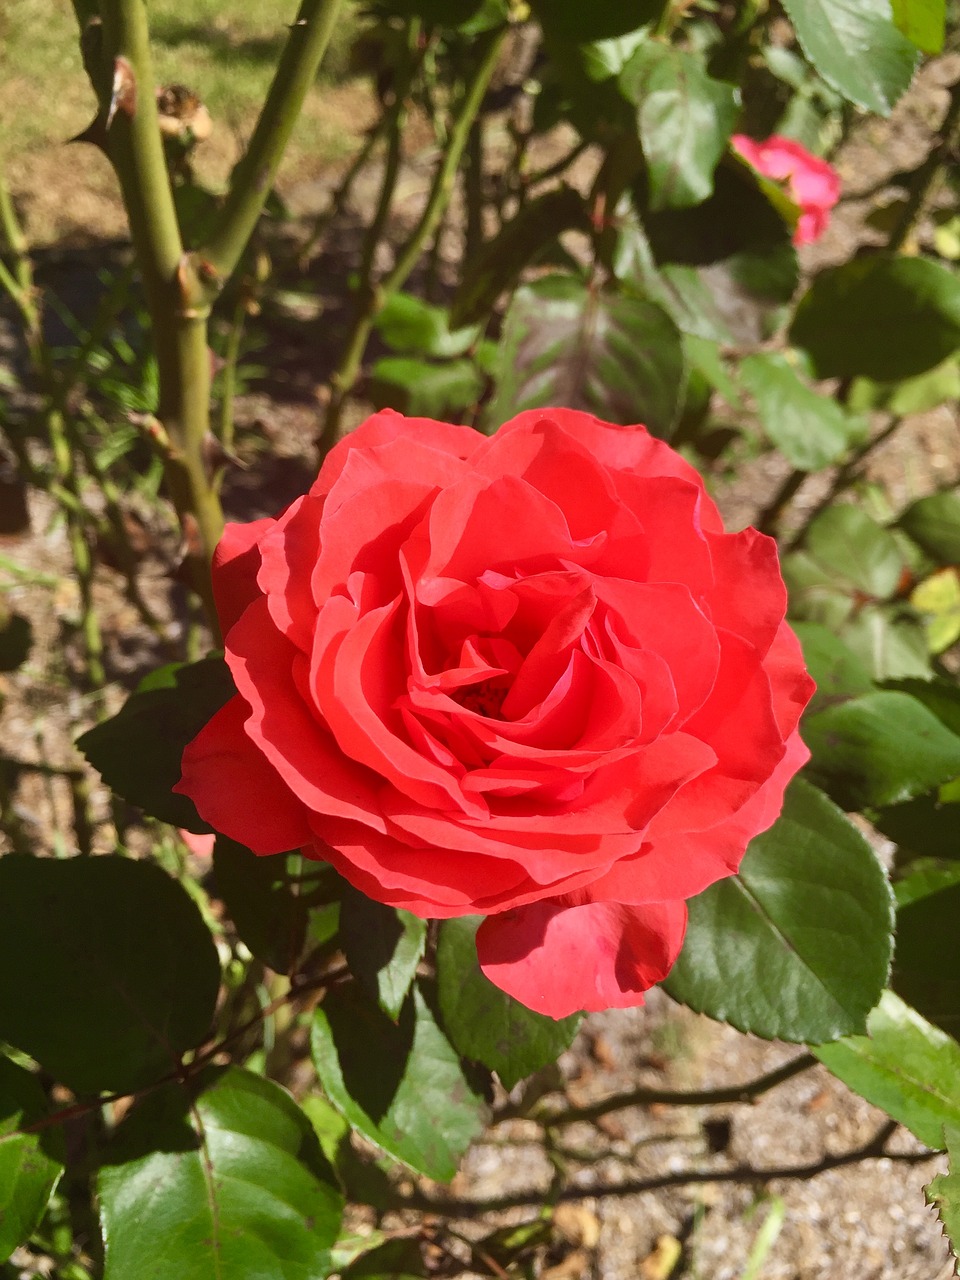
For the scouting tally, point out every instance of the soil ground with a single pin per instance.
(866, 1221)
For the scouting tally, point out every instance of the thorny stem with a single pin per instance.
(372, 299)
(256, 172)
(231, 360)
(178, 310)
(180, 288)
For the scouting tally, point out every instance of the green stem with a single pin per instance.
(175, 295)
(373, 299)
(256, 172)
(473, 189)
(231, 359)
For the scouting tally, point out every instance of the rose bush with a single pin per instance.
(527, 676)
(811, 183)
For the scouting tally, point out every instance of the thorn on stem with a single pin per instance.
(124, 94)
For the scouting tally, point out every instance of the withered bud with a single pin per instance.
(182, 114)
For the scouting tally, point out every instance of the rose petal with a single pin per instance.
(236, 562)
(236, 790)
(558, 959)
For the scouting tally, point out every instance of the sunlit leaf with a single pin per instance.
(797, 945)
(400, 1084)
(486, 1024)
(903, 1065)
(30, 1163)
(224, 1182)
(857, 49)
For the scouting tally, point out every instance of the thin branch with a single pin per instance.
(255, 173)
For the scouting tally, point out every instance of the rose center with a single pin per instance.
(486, 697)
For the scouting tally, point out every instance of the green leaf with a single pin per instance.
(409, 325)
(881, 317)
(927, 967)
(138, 751)
(130, 984)
(797, 945)
(393, 1260)
(924, 826)
(913, 395)
(422, 389)
(263, 901)
(486, 1024)
(496, 267)
(681, 290)
(845, 541)
(879, 749)
(942, 697)
(890, 639)
(227, 1185)
(903, 1065)
(401, 1085)
(30, 1163)
(616, 356)
(922, 22)
(937, 601)
(934, 524)
(383, 946)
(838, 672)
(944, 1192)
(922, 878)
(811, 430)
(739, 247)
(685, 119)
(704, 356)
(856, 48)
(605, 59)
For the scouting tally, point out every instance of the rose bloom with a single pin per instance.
(527, 676)
(811, 183)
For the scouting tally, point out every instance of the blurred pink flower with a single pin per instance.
(201, 846)
(811, 183)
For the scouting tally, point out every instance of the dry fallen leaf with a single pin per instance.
(577, 1224)
(660, 1263)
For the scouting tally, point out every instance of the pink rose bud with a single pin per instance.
(527, 676)
(811, 183)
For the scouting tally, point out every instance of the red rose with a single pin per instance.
(811, 183)
(527, 676)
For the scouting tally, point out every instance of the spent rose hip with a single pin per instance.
(527, 676)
